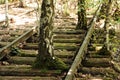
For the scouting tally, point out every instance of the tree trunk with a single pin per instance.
(107, 21)
(82, 20)
(45, 58)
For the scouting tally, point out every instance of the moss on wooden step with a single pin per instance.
(108, 72)
(2, 44)
(67, 46)
(14, 66)
(96, 62)
(94, 54)
(8, 39)
(67, 40)
(28, 72)
(30, 60)
(69, 31)
(28, 78)
(66, 27)
(68, 36)
(58, 53)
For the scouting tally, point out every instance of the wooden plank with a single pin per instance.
(29, 78)
(97, 71)
(67, 40)
(96, 62)
(58, 53)
(67, 36)
(30, 60)
(27, 71)
(69, 31)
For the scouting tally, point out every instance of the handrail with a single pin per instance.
(5, 50)
(81, 52)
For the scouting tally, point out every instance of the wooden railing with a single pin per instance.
(5, 50)
(83, 48)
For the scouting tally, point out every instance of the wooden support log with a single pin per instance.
(66, 36)
(28, 78)
(69, 48)
(8, 39)
(14, 66)
(27, 71)
(63, 46)
(96, 62)
(4, 32)
(58, 53)
(94, 54)
(30, 60)
(97, 56)
(12, 33)
(97, 71)
(2, 44)
(69, 31)
(67, 40)
(66, 27)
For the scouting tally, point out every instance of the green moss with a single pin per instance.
(50, 64)
(14, 51)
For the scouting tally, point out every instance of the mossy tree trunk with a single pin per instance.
(107, 21)
(82, 20)
(45, 50)
(45, 58)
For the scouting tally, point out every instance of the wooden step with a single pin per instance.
(8, 39)
(97, 56)
(69, 31)
(2, 44)
(96, 62)
(94, 54)
(66, 27)
(67, 40)
(26, 71)
(58, 53)
(69, 48)
(97, 71)
(30, 60)
(28, 78)
(12, 32)
(61, 46)
(64, 36)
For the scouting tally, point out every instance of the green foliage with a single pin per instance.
(14, 51)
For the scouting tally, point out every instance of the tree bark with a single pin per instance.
(82, 20)
(107, 21)
(45, 58)
(45, 50)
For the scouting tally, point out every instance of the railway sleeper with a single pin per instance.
(96, 62)
(30, 60)
(108, 72)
